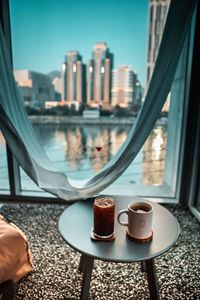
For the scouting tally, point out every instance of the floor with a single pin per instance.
(55, 274)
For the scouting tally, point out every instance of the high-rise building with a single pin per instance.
(126, 88)
(122, 86)
(73, 78)
(157, 16)
(35, 88)
(99, 76)
(64, 82)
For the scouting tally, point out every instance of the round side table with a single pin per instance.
(75, 226)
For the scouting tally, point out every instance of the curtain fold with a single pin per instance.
(23, 143)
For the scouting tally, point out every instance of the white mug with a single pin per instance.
(140, 215)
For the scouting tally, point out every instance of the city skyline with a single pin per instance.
(40, 35)
(78, 89)
(95, 85)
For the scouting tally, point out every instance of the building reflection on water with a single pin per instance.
(88, 149)
(74, 147)
(154, 157)
(97, 145)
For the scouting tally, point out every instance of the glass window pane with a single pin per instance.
(82, 74)
(4, 182)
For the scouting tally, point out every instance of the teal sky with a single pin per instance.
(43, 31)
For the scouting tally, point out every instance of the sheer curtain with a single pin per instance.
(23, 142)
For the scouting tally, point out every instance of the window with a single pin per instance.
(82, 150)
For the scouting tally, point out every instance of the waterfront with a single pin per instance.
(81, 151)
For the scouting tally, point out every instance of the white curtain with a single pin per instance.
(23, 142)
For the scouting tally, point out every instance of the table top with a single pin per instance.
(76, 222)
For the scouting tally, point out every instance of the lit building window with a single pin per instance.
(102, 69)
(63, 67)
(74, 68)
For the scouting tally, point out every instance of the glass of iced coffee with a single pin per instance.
(104, 215)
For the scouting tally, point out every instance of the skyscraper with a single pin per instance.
(157, 16)
(73, 77)
(35, 88)
(99, 76)
(122, 86)
(126, 89)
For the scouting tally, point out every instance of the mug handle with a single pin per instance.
(124, 211)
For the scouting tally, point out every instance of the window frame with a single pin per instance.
(190, 175)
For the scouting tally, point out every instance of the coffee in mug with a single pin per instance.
(139, 223)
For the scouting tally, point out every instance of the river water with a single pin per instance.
(81, 151)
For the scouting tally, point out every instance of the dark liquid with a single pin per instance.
(98, 148)
(104, 212)
(140, 208)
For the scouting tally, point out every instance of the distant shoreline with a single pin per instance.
(77, 120)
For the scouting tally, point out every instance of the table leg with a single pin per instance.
(151, 277)
(143, 266)
(88, 266)
(82, 263)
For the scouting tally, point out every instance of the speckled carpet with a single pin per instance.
(56, 277)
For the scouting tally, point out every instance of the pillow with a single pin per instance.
(15, 255)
